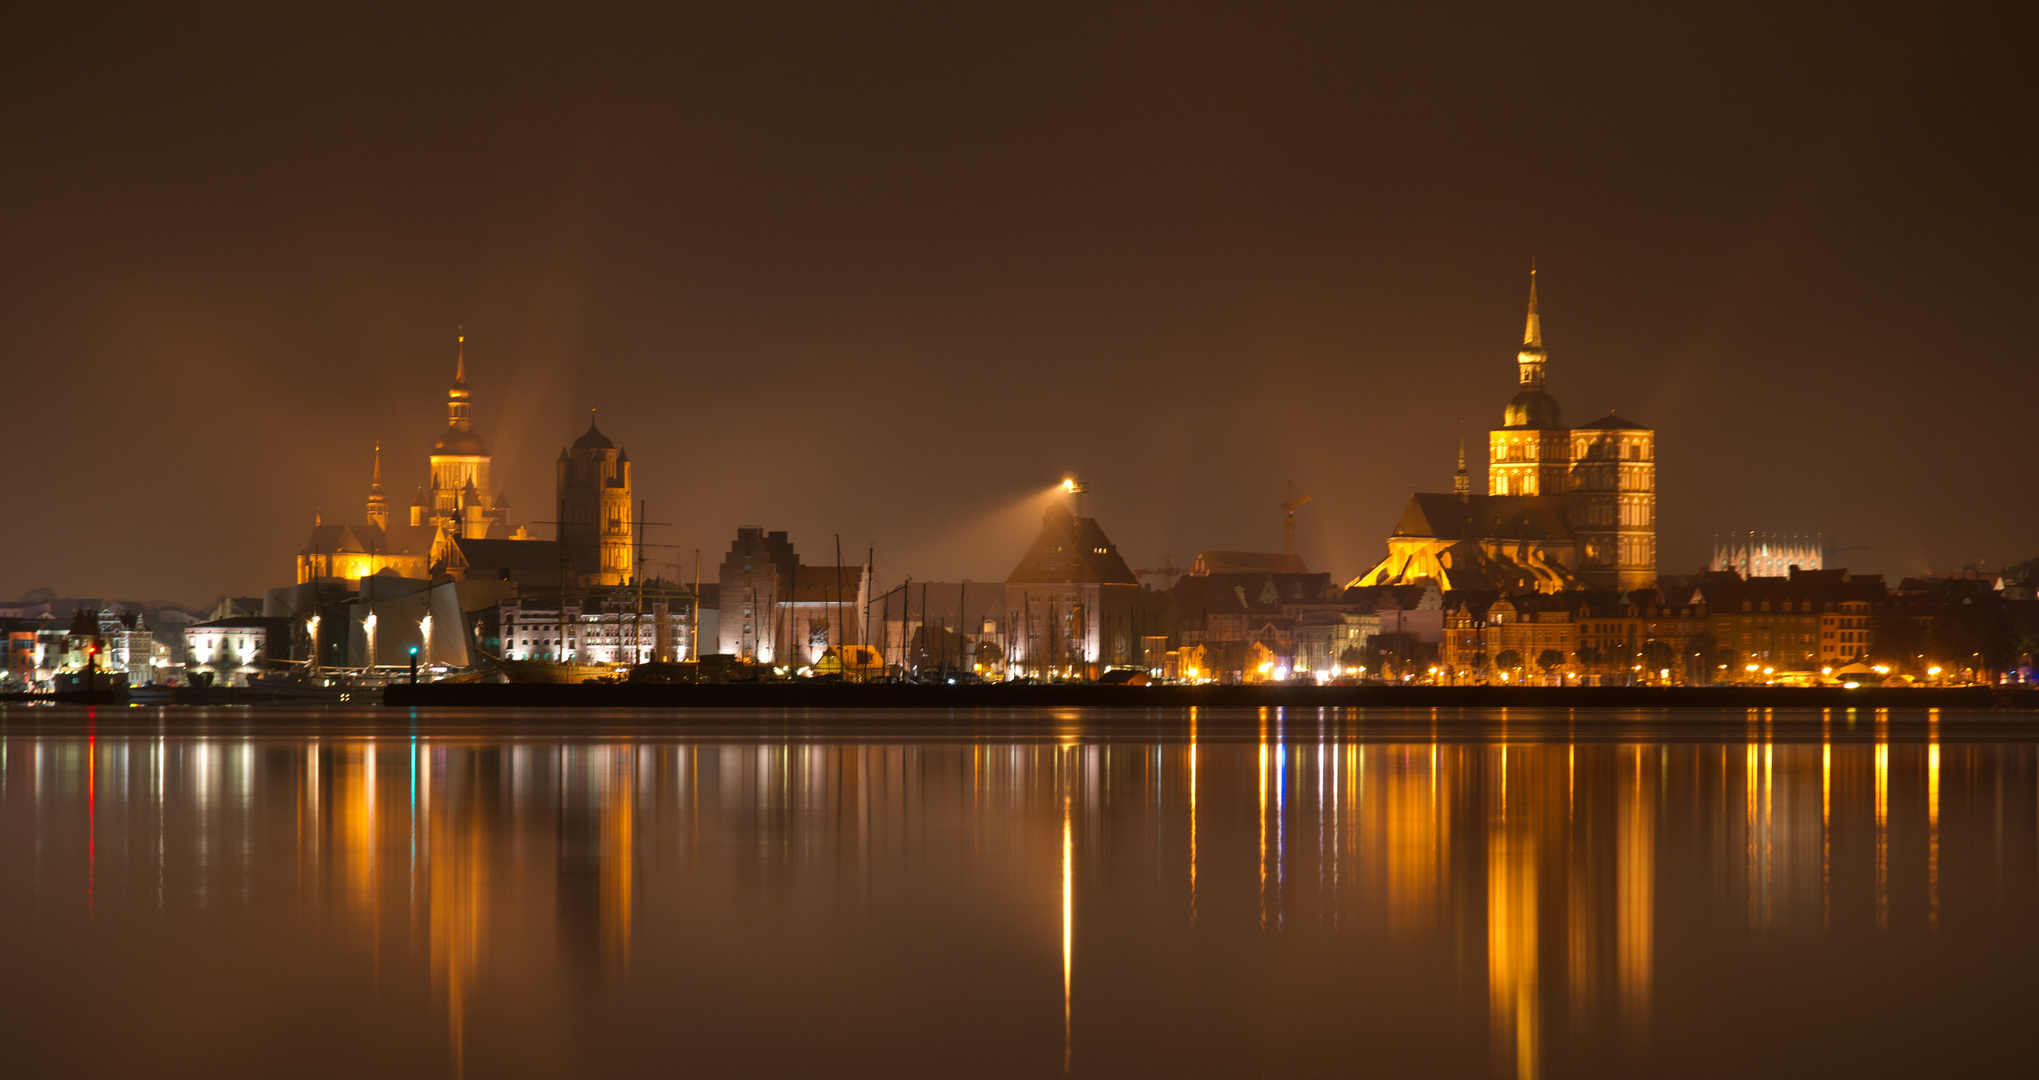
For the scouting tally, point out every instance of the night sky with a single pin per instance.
(890, 271)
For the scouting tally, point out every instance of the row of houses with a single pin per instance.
(1720, 626)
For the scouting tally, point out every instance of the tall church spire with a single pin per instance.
(1529, 362)
(457, 395)
(378, 505)
(1461, 484)
(460, 353)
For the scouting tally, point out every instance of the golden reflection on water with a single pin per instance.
(1542, 863)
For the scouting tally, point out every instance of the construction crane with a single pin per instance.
(1288, 518)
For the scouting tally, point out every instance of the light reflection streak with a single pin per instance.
(91, 818)
(1826, 833)
(1635, 905)
(1882, 828)
(1262, 774)
(1192, 817)
(1068, 928)
(1933, 822)
(1512, 937)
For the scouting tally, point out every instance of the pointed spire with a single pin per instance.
(1461, 484)
(460, 355)
(378, 505)
(1532, 331)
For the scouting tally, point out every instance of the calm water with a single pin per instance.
(265, 893)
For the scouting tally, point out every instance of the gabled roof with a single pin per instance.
(368, 540)
(1486, 517)
(1073, 550)
(1237, 562)
(821, 584)
(1611, 422)
(521, 559)
(1264, 592)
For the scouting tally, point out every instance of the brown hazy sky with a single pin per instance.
(890, 270)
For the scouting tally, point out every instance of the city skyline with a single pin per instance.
(1178, 267)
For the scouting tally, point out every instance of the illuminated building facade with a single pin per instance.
(1071, 600)
(228, 649)
(462, 500)
(777, 611)
(596, 514)
(1566, 508)
(348, 553)
(1525, 641)
(1763, 554)
(1844, 632)
(608, 630)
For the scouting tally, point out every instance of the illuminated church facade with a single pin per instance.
(461, 503)
(1565, 508)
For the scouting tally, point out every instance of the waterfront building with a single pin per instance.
(1529, 639)
(227, 649)
(1764, 626)
(1070, 602)
(1644, 635)
(610, 629)
(774, 610)
(1303, 622)
(1844, 632)
(1565, 508)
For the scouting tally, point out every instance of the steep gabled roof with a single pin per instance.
(368, 540)
(1073, 550)
(1486, 517)
(1611, 422)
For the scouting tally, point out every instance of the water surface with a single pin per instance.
(1237, 894)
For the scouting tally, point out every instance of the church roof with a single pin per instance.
(368, 540)
(521, 560)
(1073, 550)
(1445, 516)
(460, 443)
(594, 439)
(1611, 422)
(1532, 409)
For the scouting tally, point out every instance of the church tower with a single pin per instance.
(1531, 450)
(596, 514)
(461, 504)
(1614, 503)
(378, 504)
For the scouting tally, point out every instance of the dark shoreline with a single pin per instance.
(1080, 695)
